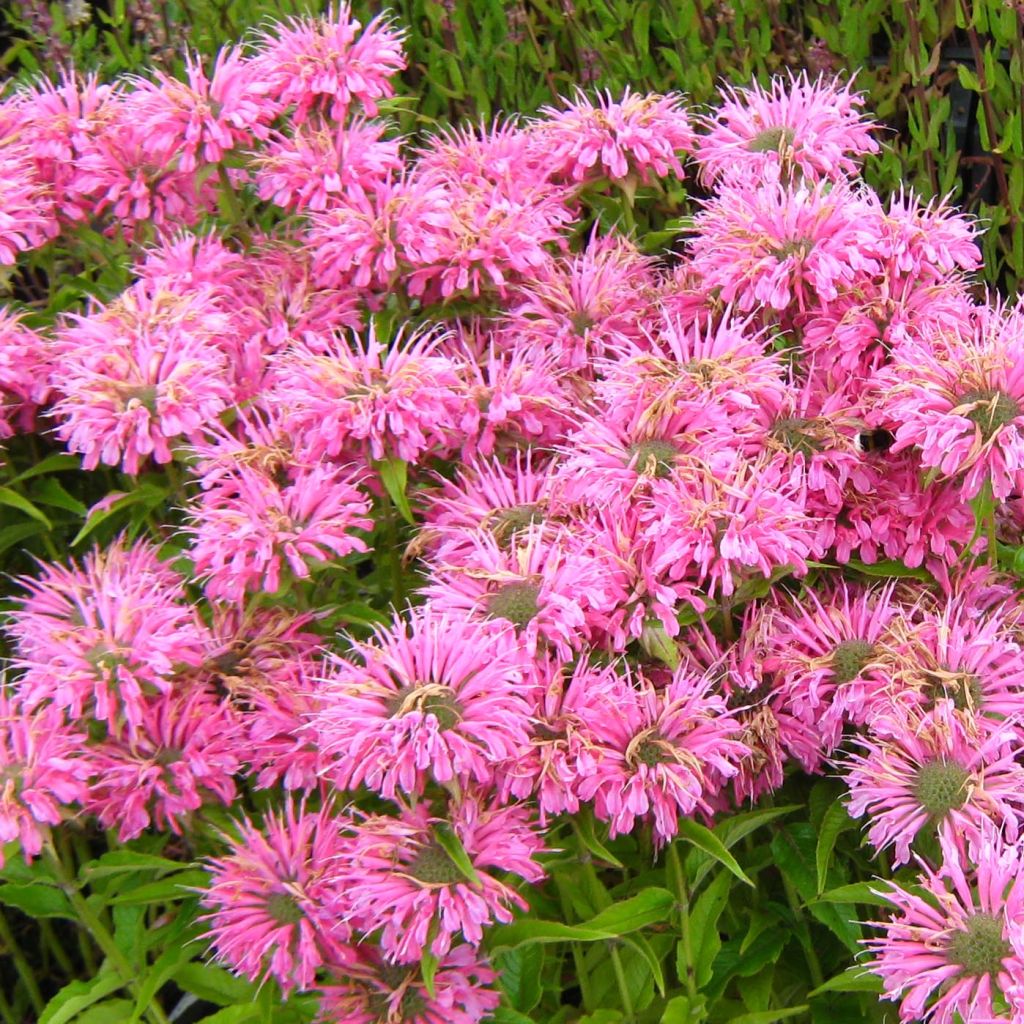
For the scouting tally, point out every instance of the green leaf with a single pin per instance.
(214, 984)
(836, 821)
(452, 845)
(146, 494)
(730, 831)
(175, 887)
(583, 823)
(704, 839)
(394, 475)
(110, 1011)
(705, 940)
(157, 975)
(118, 862)
(52, 492)
(233, 1015)
(856, 979)
(37, 900)
(428, 969)
(11, 535)
(858, 892)
(51, 464)
(72, 999)
(888, 568)
(15, 500)
(641, 946)
(520, 976)
(768, 1016)
(649, 906)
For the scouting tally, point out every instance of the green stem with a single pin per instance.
(394, 551)
(90, 920)
(6, 1010)
(682, 891)
(21, 965)
(620, 977)
(579, 962)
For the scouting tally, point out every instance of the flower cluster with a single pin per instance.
(631, 489)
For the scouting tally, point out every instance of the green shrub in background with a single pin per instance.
(947, 76)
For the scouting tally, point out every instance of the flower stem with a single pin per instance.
(21, 965)
(91, 922)
(682, 891)
(6, 1010)
(620, 977)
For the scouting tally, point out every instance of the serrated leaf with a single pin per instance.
(520, 975)
(583, 823)
(157, 975)
(169, 890)
(37, 900)
(145, 494)
(705, 941)
(645, 950)
(730, 831)
(704, 839)
(836, 821)
(72, 999)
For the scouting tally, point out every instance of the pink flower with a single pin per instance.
(794, 127)
(185, 750)
(718, 530)
(659, 753)
(396, 875)
(954, 949)
(936, 773)
(329, 63)
(41, 773)
(202, 119)
(60, 124)
(251, 531)
(271, 899)
(829, 650)
(579, 307)
(961, 404)
(97, 639)
(373, 991)
(401, 400)
(635, 136)
(312, 168)
(139, 373)
(430, 697)
(24, 374)
(540, 585)
(27, 219)
(784, 247)
(501, 497)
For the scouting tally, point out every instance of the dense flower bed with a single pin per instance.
(600, 527)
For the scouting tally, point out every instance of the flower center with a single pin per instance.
(283, 908)
(981, 948)
(433, 866)
(941, 787)
(516, 602)
(849, 659)
(428, 699)
(992, 410)
(506, 522)
(168, 756)
(650, 753)
(652, 458)
(771, 140)
(581, 321)
(793, 247)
